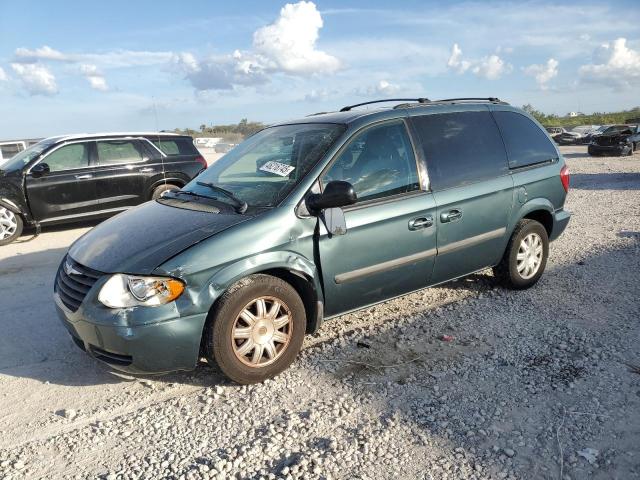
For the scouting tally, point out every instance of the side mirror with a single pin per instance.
(40, 170)
(336, 194)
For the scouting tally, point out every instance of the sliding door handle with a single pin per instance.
(451, 215)
(84, 177)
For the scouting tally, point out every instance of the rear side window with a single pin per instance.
(526, 143)
(175, 146)
(118, 151)
(461, 148)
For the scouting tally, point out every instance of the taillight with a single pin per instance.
(201, 161)
(564, 178)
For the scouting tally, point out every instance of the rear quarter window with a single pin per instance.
(461, 148)
(175, 146)
(525, 142)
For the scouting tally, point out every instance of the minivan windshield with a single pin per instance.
(24, 157)
(263, 169)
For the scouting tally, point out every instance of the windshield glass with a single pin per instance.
(263, 169)
(24, 157)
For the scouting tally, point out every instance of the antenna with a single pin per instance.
(155, 112)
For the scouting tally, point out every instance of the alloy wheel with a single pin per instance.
(262, 331)
(529, 256)
(8, 223)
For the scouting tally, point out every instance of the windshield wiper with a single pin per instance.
(187, 192)
(241, 205)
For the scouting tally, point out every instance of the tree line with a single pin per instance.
(597, 118)
(231, 133)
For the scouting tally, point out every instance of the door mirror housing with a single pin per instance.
(336, 194)
(40, 170)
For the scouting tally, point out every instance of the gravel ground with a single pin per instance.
(539, 384)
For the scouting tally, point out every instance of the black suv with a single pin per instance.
(616, 140)
(76, 177)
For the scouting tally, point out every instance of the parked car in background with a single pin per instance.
(615, 140)
(74, 177)
(594, 133)
(555, 132)
(222, 147)
(311, 219)
(10, 149)
(576, 135)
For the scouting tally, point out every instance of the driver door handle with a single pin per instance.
(421, 222)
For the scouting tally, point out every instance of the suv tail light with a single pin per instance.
(564, 178)
(200, 159)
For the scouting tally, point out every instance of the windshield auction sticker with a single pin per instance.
(278, 168)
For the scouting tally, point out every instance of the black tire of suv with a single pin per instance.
(16, 234)
(218, 333)
(506, 272)
(163, 188)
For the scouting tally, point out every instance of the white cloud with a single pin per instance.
(290, 42)
(456, 62)
(36, 78)
(288, 46)
(614, 64)
(25, 55)
(543, 73)
(94, 77)
(491, 67)
(3, 75)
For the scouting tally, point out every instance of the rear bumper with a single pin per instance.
(608, 150)
(153, 348)
(561, 219)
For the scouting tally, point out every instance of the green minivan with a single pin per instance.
(311, 219)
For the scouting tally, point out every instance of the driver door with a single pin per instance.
(390, 244)
(68, 190)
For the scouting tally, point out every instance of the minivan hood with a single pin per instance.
(142, 238)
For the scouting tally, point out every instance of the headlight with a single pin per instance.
(122, 291)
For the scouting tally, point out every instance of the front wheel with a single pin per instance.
(256, 329)
(165, 187)
(526, 256)
(10, 226)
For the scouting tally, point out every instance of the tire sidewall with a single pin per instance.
(155, 194)
(17, 233)
(516, 279)
(219, 341)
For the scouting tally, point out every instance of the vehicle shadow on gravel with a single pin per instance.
(606, 181)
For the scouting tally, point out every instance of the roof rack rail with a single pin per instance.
(470, 99)
(419, 100)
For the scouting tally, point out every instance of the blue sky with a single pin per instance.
(93, 66)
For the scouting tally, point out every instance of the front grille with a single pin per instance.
(73, 282)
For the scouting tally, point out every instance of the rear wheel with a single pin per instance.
(158, 191)
(257, 329)
(10, 226)
(526, 255)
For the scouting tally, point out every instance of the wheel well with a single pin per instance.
(543, 217)
(171, 181)
(305, 289)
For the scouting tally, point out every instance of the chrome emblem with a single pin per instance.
(69, 270)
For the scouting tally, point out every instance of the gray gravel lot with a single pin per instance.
(539, 384)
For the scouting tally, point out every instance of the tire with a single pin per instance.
(518, 276)
(234, 343)
(158, 191)
(11, 226)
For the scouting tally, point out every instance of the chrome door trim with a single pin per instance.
(384, 266)
(468, 242)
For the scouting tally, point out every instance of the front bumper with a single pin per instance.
(159, 347)
(561, 219)
(608, 150)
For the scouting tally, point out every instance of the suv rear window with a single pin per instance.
(461, 148)
(526, 142)
(175, 146)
